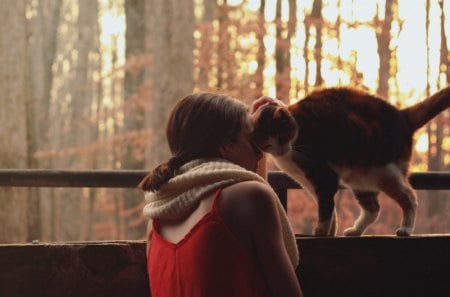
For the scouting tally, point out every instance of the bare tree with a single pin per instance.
(206, 47)
(261, 55)
(172, 45)
(79, 112)
(42, 28)
(223, 48)
(384, 51)
(282, 50)
(313, 20)
(14, 87)
(316, 15)
(134, 112)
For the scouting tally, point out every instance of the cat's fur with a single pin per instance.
(349, 136)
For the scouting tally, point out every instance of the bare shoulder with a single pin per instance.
(248, 200)
(248, 192)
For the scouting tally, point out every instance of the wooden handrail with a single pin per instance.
(279, 181)
(437, 180)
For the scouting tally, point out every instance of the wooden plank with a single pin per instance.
(369, 266)
(69, 178)
(114, 269)
(131, 178)
(375, 266)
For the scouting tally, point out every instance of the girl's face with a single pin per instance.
(243, 152)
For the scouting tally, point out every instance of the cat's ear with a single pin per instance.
(284, 119)
(281, 113)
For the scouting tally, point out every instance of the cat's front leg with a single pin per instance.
(327, 227)
(326, 184)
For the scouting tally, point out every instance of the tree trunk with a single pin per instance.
(261, 56)
(223, 49)
(72, 219)
(316, 15)
(43, 42)
(282, 51)
(384, 52)
(307, 22)
(42, 29)
(97, 102)
(13, 147)
(205, 56)
(134, 112)
(172, 27)
(291, 29)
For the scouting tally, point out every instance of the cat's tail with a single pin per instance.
(421, 113)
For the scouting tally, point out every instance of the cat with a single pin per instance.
(349, 136)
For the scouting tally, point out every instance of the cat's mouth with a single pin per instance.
(281, 151)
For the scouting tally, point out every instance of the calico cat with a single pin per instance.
(347, 135)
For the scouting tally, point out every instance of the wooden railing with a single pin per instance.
(368, 266)
(131, 178)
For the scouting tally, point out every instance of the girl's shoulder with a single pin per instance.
(249, 200)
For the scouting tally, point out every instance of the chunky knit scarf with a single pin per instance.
(194, 181)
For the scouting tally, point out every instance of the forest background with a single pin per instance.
(87, 84)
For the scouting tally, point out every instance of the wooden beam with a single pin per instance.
(368, 266)
(131, 178)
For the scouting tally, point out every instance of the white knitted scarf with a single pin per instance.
(194, 181)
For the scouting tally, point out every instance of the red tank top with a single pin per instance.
(208, 262)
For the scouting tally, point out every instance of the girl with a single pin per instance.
(216, 227)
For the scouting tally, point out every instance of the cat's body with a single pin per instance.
(348, 136)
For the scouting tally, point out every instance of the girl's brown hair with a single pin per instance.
(198, 125)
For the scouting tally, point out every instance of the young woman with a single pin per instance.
(216, 227)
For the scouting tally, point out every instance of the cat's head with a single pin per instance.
(274, 129)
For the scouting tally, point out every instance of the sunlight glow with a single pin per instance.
(422, 144)
(253, 5)
(234, 2)
(112, 26)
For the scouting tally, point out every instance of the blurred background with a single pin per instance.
(87, 84)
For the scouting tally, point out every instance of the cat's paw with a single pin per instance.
(352, 232)
(326, 228)
(403, 231)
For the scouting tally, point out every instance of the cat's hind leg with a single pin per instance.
(370, 208)
(398, 188)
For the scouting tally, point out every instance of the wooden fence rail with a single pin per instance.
(131, 178)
